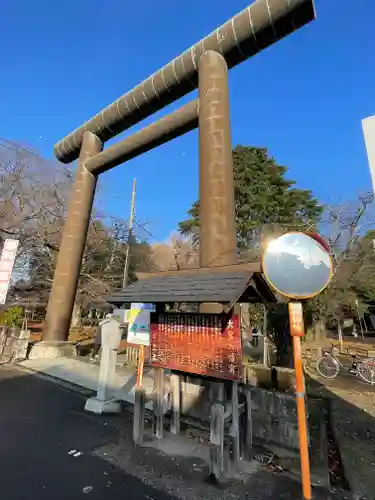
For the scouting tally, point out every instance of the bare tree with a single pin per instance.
(33, 200)
(347, 227)
(34, 195)
(178, 252)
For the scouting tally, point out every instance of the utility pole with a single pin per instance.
(130, 233)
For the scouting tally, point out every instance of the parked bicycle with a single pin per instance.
(329, 366)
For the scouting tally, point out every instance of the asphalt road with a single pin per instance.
(41, 423)
(50, 449)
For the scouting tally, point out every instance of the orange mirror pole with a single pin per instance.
(140, 368)
(297, 330)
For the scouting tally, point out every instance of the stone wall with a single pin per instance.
(274, 417)
(282, 379)
(13, 343)
(273, 412)
(197, 397)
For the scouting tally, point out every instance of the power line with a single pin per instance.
(137, 223)
(5, 144)
(149, 233)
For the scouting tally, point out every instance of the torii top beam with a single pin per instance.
(261, 24)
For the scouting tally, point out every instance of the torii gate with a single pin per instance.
(205, 65)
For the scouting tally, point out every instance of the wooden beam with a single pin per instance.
(139, 415)
(175, 385)
(263, 290)
(235, 428)
(217, 424)
(249, 426)
(159, 403)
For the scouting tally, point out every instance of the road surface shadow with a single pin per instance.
(48, 446)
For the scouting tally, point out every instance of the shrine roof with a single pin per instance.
(227, 285)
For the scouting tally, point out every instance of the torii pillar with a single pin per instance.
(61, 299)
(218, 245)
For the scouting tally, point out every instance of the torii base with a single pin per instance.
(52, 350)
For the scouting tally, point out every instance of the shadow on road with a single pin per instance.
(54, 450)
(49, 446)
(41, 423)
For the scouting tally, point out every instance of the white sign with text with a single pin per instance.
(7, 260)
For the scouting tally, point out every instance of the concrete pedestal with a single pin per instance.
(52, 350)
(95, 405)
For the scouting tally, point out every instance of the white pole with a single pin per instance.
(368, 127)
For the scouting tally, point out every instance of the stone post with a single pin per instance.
(104, 402)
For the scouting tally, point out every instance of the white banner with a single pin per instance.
(7, 260)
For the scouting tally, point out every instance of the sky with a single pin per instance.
(308, 251)
(61, 62)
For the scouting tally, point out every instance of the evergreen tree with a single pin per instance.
(264, 199)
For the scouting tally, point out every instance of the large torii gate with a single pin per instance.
(205, 65)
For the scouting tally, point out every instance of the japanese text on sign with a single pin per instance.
(205, 344)
(7, 260)
(297, 328)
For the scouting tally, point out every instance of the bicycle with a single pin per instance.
(328, 366)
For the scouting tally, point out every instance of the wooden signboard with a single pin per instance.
(204, 344)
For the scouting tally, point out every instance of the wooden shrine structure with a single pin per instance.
(207, 344)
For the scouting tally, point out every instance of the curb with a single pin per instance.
(76, 388)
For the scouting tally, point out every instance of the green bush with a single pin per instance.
(12, 316)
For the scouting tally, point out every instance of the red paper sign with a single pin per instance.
(204, 344)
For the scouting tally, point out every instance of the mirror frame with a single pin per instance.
(318, 242)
